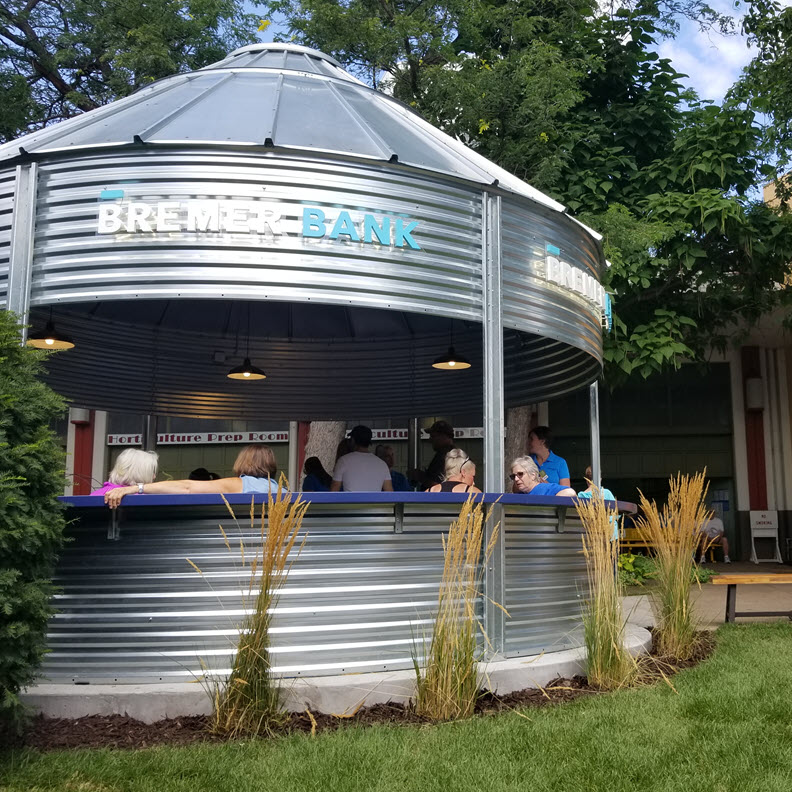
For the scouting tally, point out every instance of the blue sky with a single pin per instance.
(712, 61)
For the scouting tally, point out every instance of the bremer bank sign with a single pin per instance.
(263, 218)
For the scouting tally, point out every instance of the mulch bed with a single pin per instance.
(119, 731)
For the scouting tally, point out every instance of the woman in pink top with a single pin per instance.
(131, 467)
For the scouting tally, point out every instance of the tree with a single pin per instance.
(578, 103)
(766, 84)
(31, 520)
(58, 59)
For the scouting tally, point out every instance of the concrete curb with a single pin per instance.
(331, 694)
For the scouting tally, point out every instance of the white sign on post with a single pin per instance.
(764, 525)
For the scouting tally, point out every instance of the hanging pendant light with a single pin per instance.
(49, 338)
(451, 361)
(247, 371)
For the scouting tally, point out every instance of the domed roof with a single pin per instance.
(275, 96)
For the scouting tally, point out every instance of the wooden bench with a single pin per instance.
(732, 581)
(630, 538)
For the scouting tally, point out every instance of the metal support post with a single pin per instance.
(150, 433)
(20, 264)
(596, 472)
(294, 455)
(413, 445)
(494, 419)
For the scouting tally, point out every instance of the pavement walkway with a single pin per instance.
(710, 601)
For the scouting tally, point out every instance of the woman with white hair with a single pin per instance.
(460, 473)
(525, 477)
(254, 471)
(131, 467)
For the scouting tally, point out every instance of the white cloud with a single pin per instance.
(712, 61)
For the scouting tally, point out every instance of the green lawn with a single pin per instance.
(727, 728)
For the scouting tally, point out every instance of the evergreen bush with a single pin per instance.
(31, 519)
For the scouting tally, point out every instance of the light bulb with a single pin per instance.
(49, 341)
(452, 363)
(246, 373)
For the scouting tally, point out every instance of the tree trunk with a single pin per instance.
(323, 440)
(519, 422)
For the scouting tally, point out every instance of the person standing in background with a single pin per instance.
(552, 468)
(441, 433)
(360, 470)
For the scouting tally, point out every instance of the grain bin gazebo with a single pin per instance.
(273, 206)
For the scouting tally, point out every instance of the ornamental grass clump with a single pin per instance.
(249, 703)
(674, 534)
(448, 687)
(609, 664)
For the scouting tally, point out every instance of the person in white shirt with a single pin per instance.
(713, 532)
(360, 470)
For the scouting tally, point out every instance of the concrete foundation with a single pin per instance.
(337, 695)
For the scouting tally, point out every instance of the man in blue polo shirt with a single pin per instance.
(552, 468)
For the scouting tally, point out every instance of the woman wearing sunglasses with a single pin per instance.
(525, 480)
(460, 473)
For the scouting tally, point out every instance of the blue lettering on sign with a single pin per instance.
(313, 223)
(401, 235)
(345, 226)
(369, 230)
(382, 232)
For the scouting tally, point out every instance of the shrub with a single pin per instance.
(635, 570)
(31, 519)
(609, 664)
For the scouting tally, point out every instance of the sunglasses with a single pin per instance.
(514, 476)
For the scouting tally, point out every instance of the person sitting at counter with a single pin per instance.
(606, 495)
(360, 470)
(525, 477)
(132, 465)
(460, 473)
(317, 479)
(254, 471)
(202, 474)
(388, 456)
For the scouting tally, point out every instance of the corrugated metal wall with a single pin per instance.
(72, 262)
(7, 183)
(545, 581)
(530, 302)
(359, 596)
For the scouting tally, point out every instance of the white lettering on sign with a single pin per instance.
(574, 279)
(234, 217)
